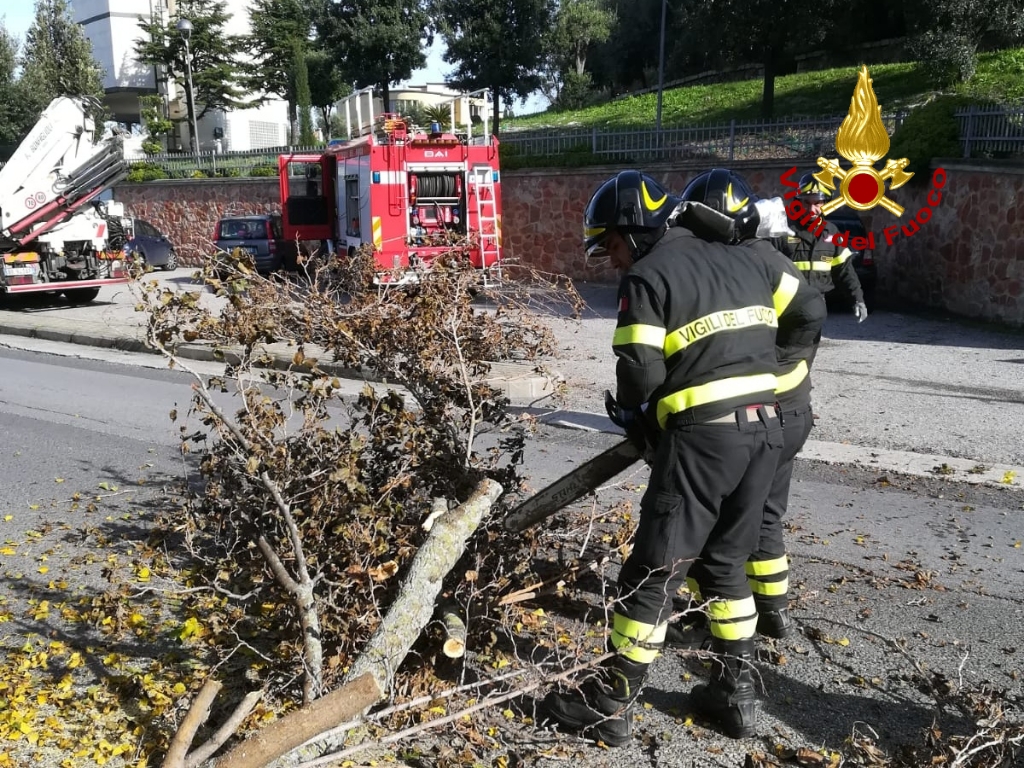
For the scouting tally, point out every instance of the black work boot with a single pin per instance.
(775, 623)
(728, 699)
(690, 632)
(602, 708)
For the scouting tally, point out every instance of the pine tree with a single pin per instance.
(215, 70)
(58, 58)
(303, 98)
(376, 42)
(497, 46)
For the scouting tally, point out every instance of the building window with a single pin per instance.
(264, 133)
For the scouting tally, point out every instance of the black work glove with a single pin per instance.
(633, 422)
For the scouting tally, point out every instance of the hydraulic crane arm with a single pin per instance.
(55, 170)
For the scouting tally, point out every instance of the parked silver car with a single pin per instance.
(259, 235)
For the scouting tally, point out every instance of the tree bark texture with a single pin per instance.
(296, 728)
(371, 676)
(414, 606)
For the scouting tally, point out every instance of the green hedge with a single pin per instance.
(929, 131)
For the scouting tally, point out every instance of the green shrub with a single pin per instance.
(929, 131)
(140, 172)
(266, 169)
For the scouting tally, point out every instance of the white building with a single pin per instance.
(113, 28)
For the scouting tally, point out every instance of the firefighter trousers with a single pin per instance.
(768, 567)
(705, 500)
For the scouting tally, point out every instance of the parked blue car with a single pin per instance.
(151, 246)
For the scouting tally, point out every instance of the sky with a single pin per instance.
(17, 17)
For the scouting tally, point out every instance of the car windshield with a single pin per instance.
(243, 229)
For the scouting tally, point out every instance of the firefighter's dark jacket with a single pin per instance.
(797, 338)
(696, 328)
(824, 264)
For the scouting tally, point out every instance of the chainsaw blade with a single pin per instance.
(575, 485)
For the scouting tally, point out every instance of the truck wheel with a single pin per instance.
(79, 296)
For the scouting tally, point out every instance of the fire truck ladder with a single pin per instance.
(487, 221)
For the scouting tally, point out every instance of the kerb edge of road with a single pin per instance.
(525, 387)
(521, 383)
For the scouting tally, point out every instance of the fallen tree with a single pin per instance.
(330, 523)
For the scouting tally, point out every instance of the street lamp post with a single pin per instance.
(661, 71)
(184, 27)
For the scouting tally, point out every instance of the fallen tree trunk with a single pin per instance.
(292, 739)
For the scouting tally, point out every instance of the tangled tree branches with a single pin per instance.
(310, 516)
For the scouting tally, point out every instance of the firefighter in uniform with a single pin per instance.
(823, 263)
(695, 342)
(795, 344)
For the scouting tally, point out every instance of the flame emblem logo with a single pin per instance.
(863, 141)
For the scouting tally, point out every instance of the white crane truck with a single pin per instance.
(55, 236)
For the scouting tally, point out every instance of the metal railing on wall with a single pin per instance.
(992, 131)
(736, 140)
(984, 132)
(185, 165)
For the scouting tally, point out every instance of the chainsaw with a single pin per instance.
(639, 444)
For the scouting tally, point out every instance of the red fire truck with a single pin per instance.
(412, 193)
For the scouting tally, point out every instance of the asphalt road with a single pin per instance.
(901, 380)
(934, 564)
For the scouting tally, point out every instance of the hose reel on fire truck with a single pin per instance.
(437, 185)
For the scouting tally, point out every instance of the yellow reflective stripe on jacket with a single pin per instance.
(712, 392)
(725, 320)
(843, 255)
(633, 639)
(767, 567)
(787, 381)
(648, 335)
(732, 619)
(784, 294)
(813, 266)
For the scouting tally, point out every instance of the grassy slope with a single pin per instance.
(1000, 76)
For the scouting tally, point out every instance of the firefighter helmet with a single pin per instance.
(728, 193)
(632, 204)
(813, 191)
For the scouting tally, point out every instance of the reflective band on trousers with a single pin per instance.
(733, 619)
(648, 335)
(713, 392)
(769, 588)
(768, 578)
(694, 587)
(785, 292)
(636, 640)
(767, 567)
(788, 381)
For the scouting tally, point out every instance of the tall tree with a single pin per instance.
(376, 41)
(497, 46)
(58, 58)
(949, 32)
(19, 107)
(579, 24)
(630, 56)
(215, 70)
(760, 31)
(303, 98)
(326, 85)
(277, 29)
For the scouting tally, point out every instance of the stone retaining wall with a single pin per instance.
(968, 258)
